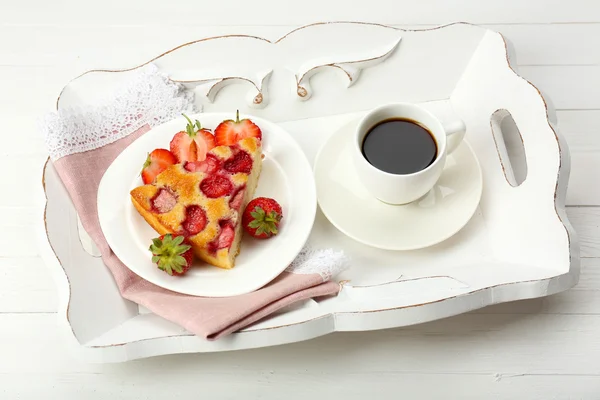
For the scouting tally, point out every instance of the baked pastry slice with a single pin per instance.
(204, 200)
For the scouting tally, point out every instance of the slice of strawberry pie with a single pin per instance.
(204, 200)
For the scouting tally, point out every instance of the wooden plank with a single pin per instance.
(94, 46)
(552, 44)
(566, 87)
(580, 129)
(589, 280)
(470, 343)
(47, 81)
(297, 385)
(573, 302)
(582, 299)
(99, 47)
(26, 286)
(17, 228)
(586, 221)
(24, 184)
(19, 224)
(585, 173)
(19, 113)
(239, 12)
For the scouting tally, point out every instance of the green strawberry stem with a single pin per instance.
(146, 163)
(167, 253)
(190, 128)
(264, 223)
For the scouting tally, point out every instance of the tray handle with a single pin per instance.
(510, 146)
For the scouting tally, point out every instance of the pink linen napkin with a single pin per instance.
(83, 144)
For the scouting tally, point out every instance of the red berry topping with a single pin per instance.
(210, 165)
(236, 200)
(164, 201)
(195, 220)
(239, 162)
(226, 237)
(214, 186)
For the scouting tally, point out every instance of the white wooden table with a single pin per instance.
(539, 349)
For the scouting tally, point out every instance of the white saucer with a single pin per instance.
(438, 215)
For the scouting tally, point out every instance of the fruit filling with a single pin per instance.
(241, 161)
(195, 220)
(214, 186)
(236, 200)
(209, 165)
(225, 238)
(164, 201)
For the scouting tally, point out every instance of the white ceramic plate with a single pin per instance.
(435, 217)
(286, 176)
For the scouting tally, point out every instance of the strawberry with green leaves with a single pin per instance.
(172, 254)
(262, 217)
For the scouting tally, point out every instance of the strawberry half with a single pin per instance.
(262, 217)
(193, 143)
(156, 162)
(172, 254)
(229, 132)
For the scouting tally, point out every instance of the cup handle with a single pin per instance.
(455, 132)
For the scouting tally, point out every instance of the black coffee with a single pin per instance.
(399, 146)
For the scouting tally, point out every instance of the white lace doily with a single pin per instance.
(325, 262)
(149, 98)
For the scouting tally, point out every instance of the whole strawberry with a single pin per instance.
(172, 254)
(262, 217)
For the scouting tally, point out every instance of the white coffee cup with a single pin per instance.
(405, 188)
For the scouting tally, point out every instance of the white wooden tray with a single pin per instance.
(518, 245)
